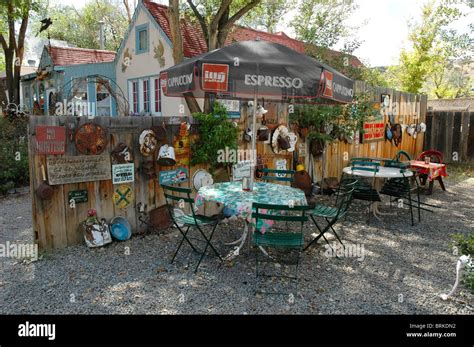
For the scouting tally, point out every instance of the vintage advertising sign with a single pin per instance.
(374, 130)
(77, 196)
(215, 77)
(123, 173)
(241, 169)
(75, 169)
(179, 175)
(232, 107)
(50, 139)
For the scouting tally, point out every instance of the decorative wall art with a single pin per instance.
(123, 173)
(159, 53)
(90, 139)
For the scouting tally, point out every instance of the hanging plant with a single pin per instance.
(216, 134)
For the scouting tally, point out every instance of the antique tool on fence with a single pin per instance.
(44, 191)
(90, 139)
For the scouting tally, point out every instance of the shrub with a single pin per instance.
(14, 170)
(216, 133)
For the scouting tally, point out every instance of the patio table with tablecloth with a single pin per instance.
(232, 196)
(434, 171)
(382, 173)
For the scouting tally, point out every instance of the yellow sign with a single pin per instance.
(123, 196)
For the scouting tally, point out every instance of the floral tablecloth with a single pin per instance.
(239, 202)
(433, 170)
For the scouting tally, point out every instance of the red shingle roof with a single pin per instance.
(62, 56)
(193, 37)
(239, 33)
(194, 42)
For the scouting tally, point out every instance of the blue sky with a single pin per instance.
(384, 33)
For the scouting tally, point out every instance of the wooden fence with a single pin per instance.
(452, 133)
(409, 109)
(55, 223)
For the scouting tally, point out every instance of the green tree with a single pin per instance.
(81, 27)
(434, 50)
(268, 14)
(324, 22)
(215, 18)
(14, 12)
(2, 62)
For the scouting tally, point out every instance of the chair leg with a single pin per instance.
(334, 232)
(208, 243)
(321, 234)
(411, 207)
(181, 242)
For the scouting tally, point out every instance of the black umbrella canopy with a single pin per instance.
(262, 68)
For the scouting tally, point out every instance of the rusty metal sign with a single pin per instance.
(50, 139)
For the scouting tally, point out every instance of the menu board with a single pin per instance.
(241, 169)
(75, 169)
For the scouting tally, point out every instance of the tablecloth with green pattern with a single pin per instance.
(239, 202)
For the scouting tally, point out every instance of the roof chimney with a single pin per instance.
(101, 34)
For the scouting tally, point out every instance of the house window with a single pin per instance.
(79, 97)
(157, 83)
(146, 96)
(135, 96)
(103, 98)
(141, 38)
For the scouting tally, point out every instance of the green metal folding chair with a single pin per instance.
(274, 175)
(400, 154)
(364, 189)
(400, 188)
(332, 215)
(275, 238)
(182, 196)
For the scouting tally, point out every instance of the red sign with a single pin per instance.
(50, 139)
(374, 130)
(327, 76)
(215, 77)
(164, 81)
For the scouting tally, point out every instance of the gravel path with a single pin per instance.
(404, 270)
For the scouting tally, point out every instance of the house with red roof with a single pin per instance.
(147, 49)
(72, 81)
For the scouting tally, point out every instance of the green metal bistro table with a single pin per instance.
(239, 202)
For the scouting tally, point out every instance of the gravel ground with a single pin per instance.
(403, 271)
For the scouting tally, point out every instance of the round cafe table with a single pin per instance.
(382, 173)
(231, 195)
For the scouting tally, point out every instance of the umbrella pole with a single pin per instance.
(254, 140)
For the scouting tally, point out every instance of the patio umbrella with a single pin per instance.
(252, 69)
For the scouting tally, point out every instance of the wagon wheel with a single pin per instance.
(90, 139)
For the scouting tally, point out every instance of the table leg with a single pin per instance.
(441, 183)
(236, 251)
(430, 188)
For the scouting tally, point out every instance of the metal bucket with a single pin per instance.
(160, 218)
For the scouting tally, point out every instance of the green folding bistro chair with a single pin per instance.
(332, 215)
(400, 188)
(280, 240)
(192, 220)
(272, 175)
(364, 189)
